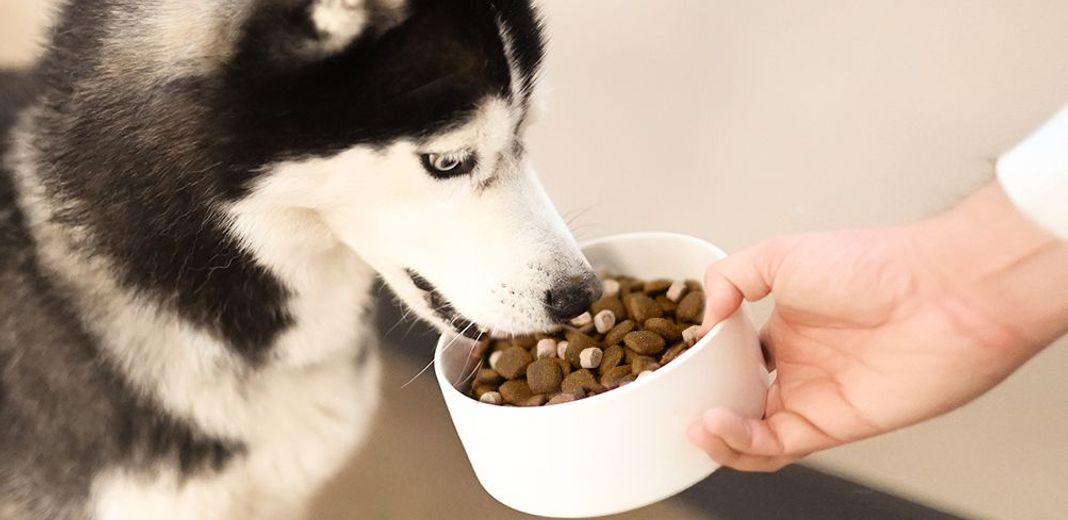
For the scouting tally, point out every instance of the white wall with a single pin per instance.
(739, 120)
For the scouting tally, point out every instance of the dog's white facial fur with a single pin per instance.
(490, 241)
(339, 22)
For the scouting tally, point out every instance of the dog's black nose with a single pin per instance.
(572, 296)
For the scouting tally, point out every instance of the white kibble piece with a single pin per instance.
(611, 288)
(604, 321)
(676, 291)
(492, 397)
(494, 358)
(690, 336)
(582, 320)
(546, 348)
(591, 357)
(645, 373)
(561, 350)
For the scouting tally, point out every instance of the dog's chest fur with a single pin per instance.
(296, 421)
(301, 429)
(282, 426)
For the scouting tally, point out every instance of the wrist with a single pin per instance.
(1009, 274)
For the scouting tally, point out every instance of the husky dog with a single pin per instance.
(194, 200)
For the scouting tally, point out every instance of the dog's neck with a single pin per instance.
(149, 336)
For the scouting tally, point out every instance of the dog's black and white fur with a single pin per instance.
(194, 200)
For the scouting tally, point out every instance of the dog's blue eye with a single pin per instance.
(444, 166)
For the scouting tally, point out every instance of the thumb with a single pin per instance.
(746, 275)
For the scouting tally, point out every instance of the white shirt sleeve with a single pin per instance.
(1035, 175)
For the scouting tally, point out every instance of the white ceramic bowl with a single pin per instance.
(625, 448)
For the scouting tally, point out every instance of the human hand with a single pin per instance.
(878, 329)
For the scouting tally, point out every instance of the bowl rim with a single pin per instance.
(616, 393)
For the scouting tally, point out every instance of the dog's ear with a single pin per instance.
(314, 29)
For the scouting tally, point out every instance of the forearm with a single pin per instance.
(1012, 273)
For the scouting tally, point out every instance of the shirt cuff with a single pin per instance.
(1035, 175)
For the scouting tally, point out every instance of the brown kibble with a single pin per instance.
(513, 362)
(516, 392)
(544, 376)
(691, 335)
(610, 379)
(581, 380)
(576, 343)
(525, 341)
(620, 338)
(691, 307)
(610, 303)
(535, 400)
(501, 346)
(489, 376)
(565, 366)
(664, 327)
(563, 398)
(642, 364)
(641, 307)
(629, 355)
(666, 304)
(655, 287)
(673, 353)
(644, 342)
(612, 357)
(617, 333)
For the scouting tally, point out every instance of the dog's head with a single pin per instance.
(399, 126)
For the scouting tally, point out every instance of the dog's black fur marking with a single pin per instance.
(113, 154)
(173, 153)
(145, 166)
(444, 309)
(413, 81)
(59, 400)
(528, 41)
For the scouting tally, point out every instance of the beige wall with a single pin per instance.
(739, 120)
(21, 23)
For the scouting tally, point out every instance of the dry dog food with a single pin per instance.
(636, 328)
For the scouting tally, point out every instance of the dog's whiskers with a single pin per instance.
(407, 313)
(431, 363)
(478, 366)
(574, 215)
